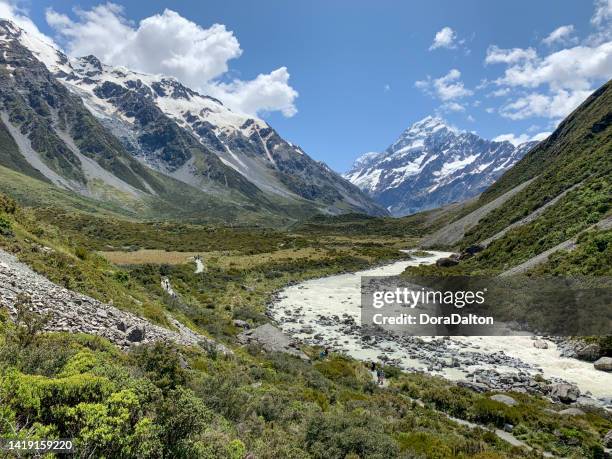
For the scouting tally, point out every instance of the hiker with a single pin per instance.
(381, 377)
(373, 366)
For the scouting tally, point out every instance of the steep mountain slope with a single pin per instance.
(559, 190)
(433, 164)
(115, 134)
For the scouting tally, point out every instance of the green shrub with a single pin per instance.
(7, 205)
(161, 363)
(336, 436)
(81, 253)
(6, 227)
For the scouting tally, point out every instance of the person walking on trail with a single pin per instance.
(373, 366)
(381, 376)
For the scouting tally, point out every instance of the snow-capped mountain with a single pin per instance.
(432, 164)
(169, 130)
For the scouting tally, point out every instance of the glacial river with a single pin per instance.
(304, 310)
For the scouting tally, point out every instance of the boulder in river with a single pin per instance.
(540, 344)
(590, 352)
(604, 364)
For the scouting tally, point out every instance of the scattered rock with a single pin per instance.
(607, 441)
(508, 428)
(505, 399)
(572, 412)
(475, 386)
(136, 334)
(241, 324)
(446, 262)
(77, 313)
(566, 393)
(604, 364)
(271, 339)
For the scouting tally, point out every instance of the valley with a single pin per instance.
(178, 280)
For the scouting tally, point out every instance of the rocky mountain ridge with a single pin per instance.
(105, 120)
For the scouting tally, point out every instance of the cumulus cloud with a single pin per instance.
(170, 44)
(553, 85)
(541, 136)
(445, 38)
(561, 34)
(267, 92)
(445, 88)
(516, 140)
(513, 139)
(19, 16)
(573, 68)
(603, 13)
(556, 105)
(496, 55)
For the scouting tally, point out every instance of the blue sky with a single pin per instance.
(366, 70)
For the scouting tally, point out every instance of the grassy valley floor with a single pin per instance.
(164, 400)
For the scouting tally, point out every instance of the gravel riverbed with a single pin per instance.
(326, 312)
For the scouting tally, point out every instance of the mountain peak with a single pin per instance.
(432, 164)
(429, 125)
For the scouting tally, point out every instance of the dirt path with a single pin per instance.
(529, 218)
(453, 233)
(570, 244)
(502, 434)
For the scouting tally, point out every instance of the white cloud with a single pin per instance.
(9, 11)
(445, 88)
(555, 84)
(170, 44)
(571, 68)
(561, 34)
(490, 110)
(267, 92)
(445, 38)
(499, 92)
(516, 140)
(541, 136)
(556, 105)
(603, 12)
(452, 107)
(513, 139)
(496, 55)
(602, 21)
(387, 88)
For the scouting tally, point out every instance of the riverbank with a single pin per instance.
(326, 312)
